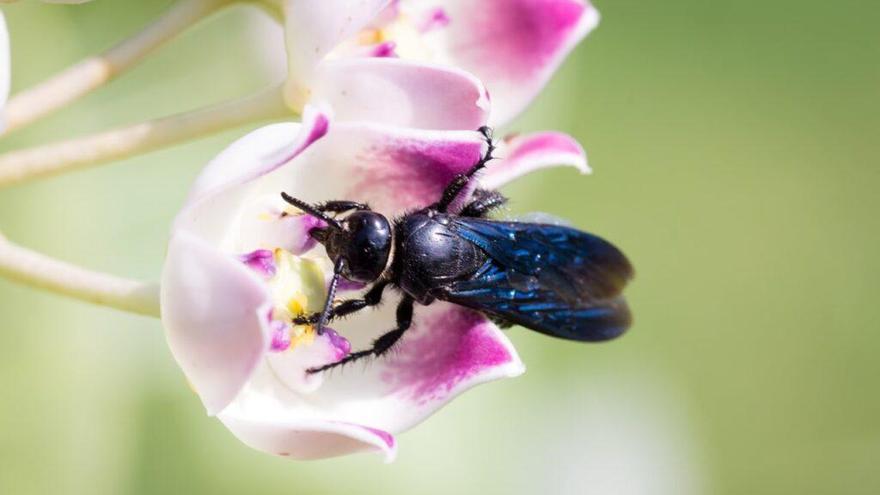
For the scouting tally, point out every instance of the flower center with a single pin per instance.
(297, 282)
(277, 240)
(400, 33)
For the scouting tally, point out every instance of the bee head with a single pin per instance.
(362, 241)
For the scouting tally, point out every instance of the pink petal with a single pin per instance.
(513, 46)
(261, 261)
(403, 172)
(526, 153)
(447, 351)
(214, 311)
(227, 184)
(314, 28)
(357, 408)
(259, 153)
(401, 93)
(308, 439)
(390, 168)
(267, 223)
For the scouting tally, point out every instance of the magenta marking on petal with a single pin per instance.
(280, 336)
(549, 142)
(386, 437)
(533, 152)
(446, 350)
(318, 125)
(385, 49)
(319, 129)
(516, 38)
(437, 18)
(341, 345)
(406, 173)
(261, 261)
(303, 225)
(217, 177)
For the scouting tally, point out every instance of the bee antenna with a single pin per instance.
(311, 210)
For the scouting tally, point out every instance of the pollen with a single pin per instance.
(297, 289)
(297, 304)
(371, 37)
(302, 335)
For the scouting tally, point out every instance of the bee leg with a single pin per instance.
(484, 202)
(461, 180)
(382, 344)
(324, 316)
(372, 298)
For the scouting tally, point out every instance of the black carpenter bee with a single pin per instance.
(549, 278)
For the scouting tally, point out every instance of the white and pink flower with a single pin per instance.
(512, 46)
(240, 266)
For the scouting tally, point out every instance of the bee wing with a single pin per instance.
(550, 278)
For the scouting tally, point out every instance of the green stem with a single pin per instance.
(54, 158)
(37, 270)
(93, 72)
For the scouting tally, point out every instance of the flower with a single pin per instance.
(240, 265)
(512, 46)
(364, 82)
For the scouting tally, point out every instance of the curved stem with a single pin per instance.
(54, 158)
(41, 271)
(84, 77)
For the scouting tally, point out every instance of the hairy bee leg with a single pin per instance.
(341, 206)
(484, 202)
(382, 344)
(372, 298)
(331, 293)
(461, 180)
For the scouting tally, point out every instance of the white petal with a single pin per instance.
(215, 314)
(313, 28)
(260, 152)
(225, 187)
(447, 351)
(401, 93)
(306, 439)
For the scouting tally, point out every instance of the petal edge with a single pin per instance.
(528, 153)
(215, 314)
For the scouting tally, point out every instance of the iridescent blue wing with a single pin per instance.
(550, 278)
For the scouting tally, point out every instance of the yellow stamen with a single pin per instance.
(302, 335)
(297, 304)
(370, 37)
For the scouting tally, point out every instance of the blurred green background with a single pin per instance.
(736, 149)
